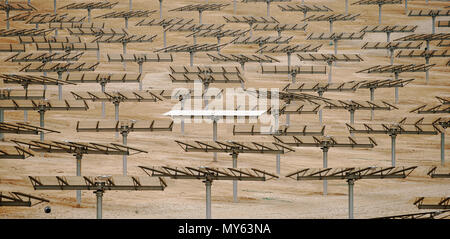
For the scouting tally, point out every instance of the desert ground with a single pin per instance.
(279, 198)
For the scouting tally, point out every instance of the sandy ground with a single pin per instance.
(283, 198)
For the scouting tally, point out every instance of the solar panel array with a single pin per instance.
(38, 50)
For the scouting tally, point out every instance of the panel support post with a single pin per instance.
(124, 157)
(103, 84)
(235, 198)
(160, 10)
(165, 38)
(388, 36)
(78, 157)
(268, 8)
(89, 15)
(99, 194)
(234, 7)
(351, 183)
(7, 19)
(200, 17)
(320, 111)
(60, 93)
(116, 113)
(433, 23)
(289, 60)
(140, 63)
(379, 13)
(427, 73)
(41, 123)
(391, 51)
(54, 6)
(208, 184)
(346, 6)
(443, 147)
(214, 121)
(372, 98)
(393, 136)
(182, 120)
(396, 88)
(325, 165)
(191, 58)
(406, 7)
(278, 164)
(330, 71)
(2, 119)
(352, 116)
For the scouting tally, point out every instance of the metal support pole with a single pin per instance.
(116, 112)
(54, 6)
(268, 8)
(182, 120)
(2, 119)
(427, 73)
(200, 17)
(428, 45)
(388, 36)
(235, 198)
(278, 164)
(279, 34)
(346, 6)
(406, 7)
(443, 148)
(379, 13)
(7, 19)
(331, 26)
(208, 198)
(165, 37)
(335, 41)
(124, 142)
(391, 51)
(25, 115)
(330, 71)
(89, 15)
(103, 103)
(320, 111)
(41, 123)
(218, 43)
(396, 88)
(215, 136)
(372, 98)
(191, 58)
(351, 183)
(293, 75)
(140, 72)
(234, 7)
(243, 66)
(98, 54)
(60, 93)
(126, 23)
(78, 158)
(124, 48)
(289, 60)
(393, 136)
(160, 10)
(251, 29)
(352, 116)
(304, 14)
(99, 194)
(433, 23)
(131, 5)
(325, 165)
(194, 37)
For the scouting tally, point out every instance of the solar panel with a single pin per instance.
(127, 14)
(191, 49)
(90, 5)
(14, 152)
(59, 67)
(128, 126)
(278, 27)
(24, 32)
(67, 47)
(18, 199)
(46, 39)
(14, 94)
(320, 88)
(164, 22)
(98, 31)
(294, 70)
(208, 175)
(42, 105)
(23, 128)
(64, 25)
(262, 40)
(26, 80)
(176, 69)
(44, 57)
(443, 24)
(380, 3)
(241, 58)
(12, 47)
(291, 130)
(304, 8)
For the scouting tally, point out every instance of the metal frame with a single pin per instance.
(267, 2)
(293, 71)
(329, 59)
(351, 175)
(432, 203)
(241, 58)
(124, 128)
(429, 13)
(304, 8)
(97, 184)
(393, 130)
(14, 6)
(325, 143)
(127, 14)
(289, 49)
(18, 199)
(380, 3)
(200, 8)
(234, 148)
(89, 6)
(191, 49)
(208, 175)
(14, 152)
